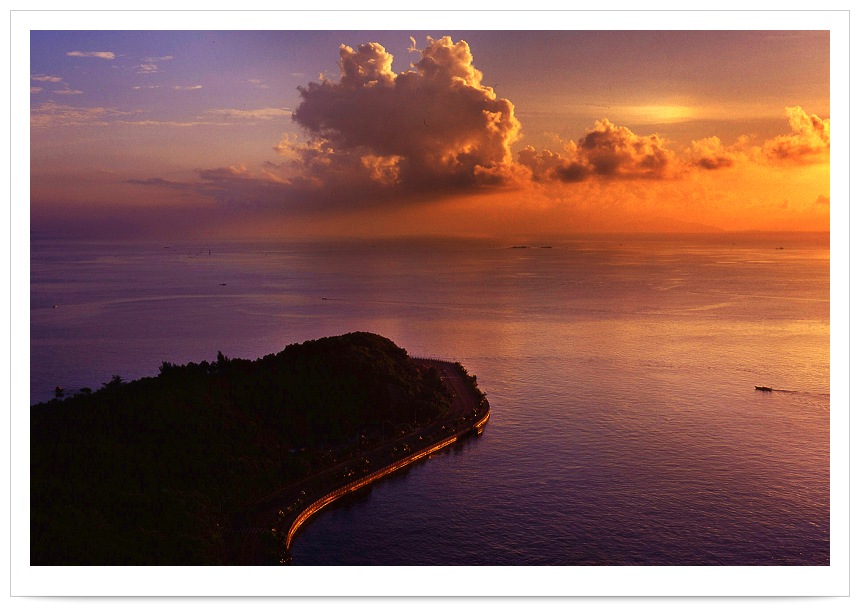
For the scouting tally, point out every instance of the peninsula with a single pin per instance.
(222, 462)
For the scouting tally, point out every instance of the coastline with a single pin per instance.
(279, 516)
(370, 478)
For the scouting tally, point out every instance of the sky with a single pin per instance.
(108, 160)
(273, 134)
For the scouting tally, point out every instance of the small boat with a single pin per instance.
(764, 388)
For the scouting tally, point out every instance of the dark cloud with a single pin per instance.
(608, 151)
(615, 151)
(550, 166)
(435, 125)
(374, 136)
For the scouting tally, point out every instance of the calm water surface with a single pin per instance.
(625, 427)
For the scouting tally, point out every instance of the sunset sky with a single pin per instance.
(193, 126)
(440, 132)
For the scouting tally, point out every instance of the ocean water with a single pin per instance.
(625, 426)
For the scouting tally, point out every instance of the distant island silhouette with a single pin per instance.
(222, 462)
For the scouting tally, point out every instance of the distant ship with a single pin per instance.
(764, 388)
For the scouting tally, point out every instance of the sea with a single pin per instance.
(625, 425)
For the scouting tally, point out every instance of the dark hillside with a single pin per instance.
(151, 471)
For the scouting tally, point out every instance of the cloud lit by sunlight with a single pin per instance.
(378, 140)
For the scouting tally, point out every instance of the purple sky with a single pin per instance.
(132, 131)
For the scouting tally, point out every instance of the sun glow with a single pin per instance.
(659, 114)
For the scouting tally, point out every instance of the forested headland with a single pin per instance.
(151, 471)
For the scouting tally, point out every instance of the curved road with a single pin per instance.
(300, 500)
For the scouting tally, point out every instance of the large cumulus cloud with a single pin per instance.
(432, 126)
(374, 135)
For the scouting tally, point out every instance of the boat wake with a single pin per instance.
(799, 392)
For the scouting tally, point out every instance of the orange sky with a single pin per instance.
(399, 132)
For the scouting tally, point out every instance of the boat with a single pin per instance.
(764, 388)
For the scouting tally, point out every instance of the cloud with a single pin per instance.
(551, 166)
(237, 187)
(823, 200)
(192, 87)
(172, 123)
(606, 151)
(150, 86)
(147, 68)
(35, 90)
(610, 151)
(258, 83)
(51, 115)
(160, 182)
(433, 126)
(149, 65)
(808, 143)
(219, 184)
(269, 113)
(375, 137)
(615, 151)
(710, 154)
(97, 54)
(66, 90)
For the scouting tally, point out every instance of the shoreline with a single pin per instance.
(324, 501)
(277, 517)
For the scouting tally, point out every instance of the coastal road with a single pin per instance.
(248, 530)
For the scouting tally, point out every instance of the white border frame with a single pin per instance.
(402, 581)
